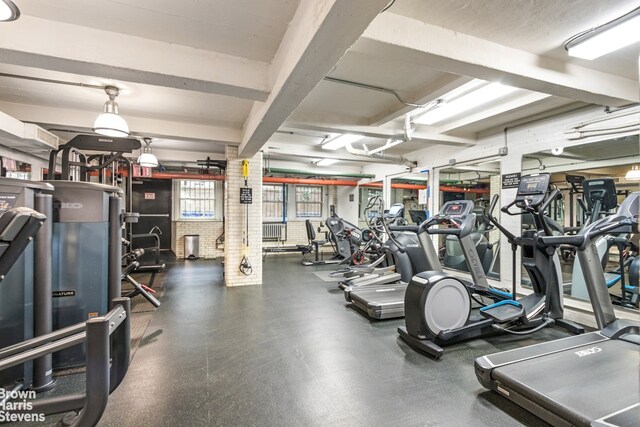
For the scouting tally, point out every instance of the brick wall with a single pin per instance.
(235, 221)
(208, 232)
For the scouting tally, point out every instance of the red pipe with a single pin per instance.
(184, 175)
(310, 181)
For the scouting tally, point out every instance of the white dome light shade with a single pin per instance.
(557, 151)
(633, 174)
(8, 11)
(148, 160)
(110, 124)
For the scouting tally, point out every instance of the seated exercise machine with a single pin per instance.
(106, 337)
(586, 380)
(345, 239)
(312, 246)
(385, 267)
(439, 306)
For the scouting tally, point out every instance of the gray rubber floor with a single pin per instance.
(293, 353)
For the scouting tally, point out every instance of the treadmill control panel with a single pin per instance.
(454, 213)
(532, 190)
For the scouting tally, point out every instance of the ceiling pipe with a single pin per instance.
(314, 173)
(449, 189)
(366, 153)
(186, 175)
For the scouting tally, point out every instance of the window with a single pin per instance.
(197, 199)
(273, 201)
(309, 202)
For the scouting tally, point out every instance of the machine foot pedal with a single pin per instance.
(503, 311)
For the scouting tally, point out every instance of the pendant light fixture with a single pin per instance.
(8, 11)
(147, 159)
(109, 122)
(633, 174)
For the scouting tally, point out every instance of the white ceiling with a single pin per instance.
(540, 26)
(244, 28)
(197, 75)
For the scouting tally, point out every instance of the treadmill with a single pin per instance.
(585, 380)
(387, 302)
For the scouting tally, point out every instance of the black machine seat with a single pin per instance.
(17, 228)
(311, 235)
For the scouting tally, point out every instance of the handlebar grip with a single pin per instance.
(563, 240)
(413, 228)
(451, 231)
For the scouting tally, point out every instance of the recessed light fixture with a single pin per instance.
(466, 97)
(633, 174)
(109, 122)
(147, 158)
(341, 140)
(557, 151)
(606, 38)
(327, 162)
(8, 11)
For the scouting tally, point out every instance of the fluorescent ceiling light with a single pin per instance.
(8, 11)
(606, 38)
(327, 162)
(341, 141)
(466, 98)
(633, 174)
(109, 122)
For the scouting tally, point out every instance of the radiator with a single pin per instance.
(274, 232)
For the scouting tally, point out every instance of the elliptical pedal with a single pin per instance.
(503, 311)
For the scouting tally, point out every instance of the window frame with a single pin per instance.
(209, 197)
(282, 203)
(312, 202)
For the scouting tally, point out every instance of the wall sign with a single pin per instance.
(246, 196)
(149, 196)
(511, 180)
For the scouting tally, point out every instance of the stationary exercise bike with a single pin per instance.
(439, 307)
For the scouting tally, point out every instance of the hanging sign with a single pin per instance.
(246, 196)
(511, 180)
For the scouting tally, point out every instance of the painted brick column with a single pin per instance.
(235, 221)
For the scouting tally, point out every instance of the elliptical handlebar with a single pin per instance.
(580, 239)
(494, 201)
(555, 194)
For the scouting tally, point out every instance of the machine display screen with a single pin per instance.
(395, 210)
(454, 210)
(534, 184)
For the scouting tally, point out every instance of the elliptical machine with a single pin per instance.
(439, 306)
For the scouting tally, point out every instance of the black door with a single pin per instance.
(152, 200)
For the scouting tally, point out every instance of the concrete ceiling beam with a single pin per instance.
(103, 54)
(81, 120)
(407, 39)
(319, 34)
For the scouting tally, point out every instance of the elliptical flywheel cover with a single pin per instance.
(447, 305)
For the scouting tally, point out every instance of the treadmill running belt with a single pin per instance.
(580, 385)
